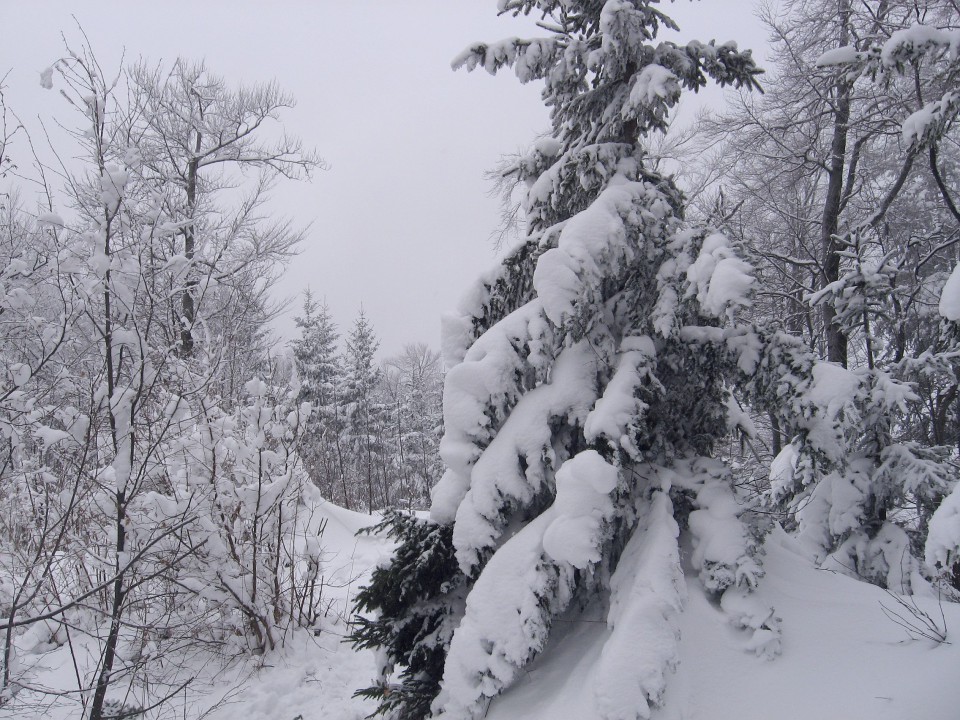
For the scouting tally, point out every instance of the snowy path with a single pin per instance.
(311, 678)
(314, 678)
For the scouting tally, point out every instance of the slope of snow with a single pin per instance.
(842, 658)
(314, 677)
(346, 556)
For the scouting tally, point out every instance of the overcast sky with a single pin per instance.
(401, 221)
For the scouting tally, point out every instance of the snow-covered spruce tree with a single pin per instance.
(851, 240)
(320, 371)
(417, 600)
(845, 481)
(365, 416)
(581, 403)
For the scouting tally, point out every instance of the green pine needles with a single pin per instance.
(417, 599)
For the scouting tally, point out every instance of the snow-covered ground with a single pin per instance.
(842, 658)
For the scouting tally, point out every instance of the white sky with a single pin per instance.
(401, 221)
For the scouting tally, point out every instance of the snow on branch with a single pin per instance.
(907, 48)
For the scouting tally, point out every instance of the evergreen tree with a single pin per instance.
(319, 367)
(586, 391)
(418, 599)
(365, 414)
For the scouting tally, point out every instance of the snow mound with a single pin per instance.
(950, 297)
(842, 658)
(943, 541)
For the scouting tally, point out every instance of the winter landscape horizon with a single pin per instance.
(587, 359)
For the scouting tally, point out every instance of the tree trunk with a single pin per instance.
(403, 465)
(188, 311)
(116, 613)
(830, 222)
(776, 434)
(339, 446)
(119, 594)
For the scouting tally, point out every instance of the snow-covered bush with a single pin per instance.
(257, 558)
(844, 476)
(904, 464)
